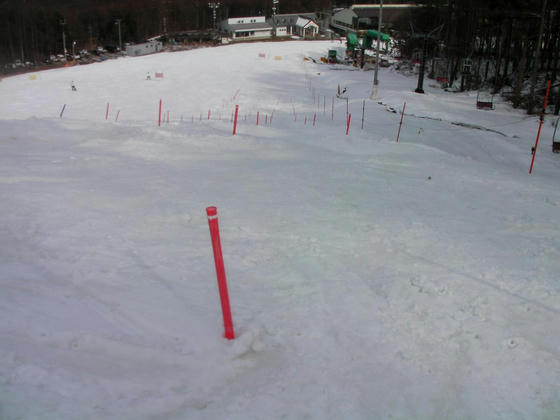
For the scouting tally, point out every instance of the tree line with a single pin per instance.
(31, 30)
(508, 46)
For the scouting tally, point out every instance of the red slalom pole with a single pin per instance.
(208, 114)
(314, 118)
(167, 116)
(540, 126)
(257, 117)
(117, 117)
(400, 124)
(107, 111)
(159, 117)
(212, 213)
(235, 119)
(348, 123)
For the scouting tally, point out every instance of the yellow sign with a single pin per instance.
(278, 57)
(32, 77)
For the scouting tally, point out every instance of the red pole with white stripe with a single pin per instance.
(212, 213)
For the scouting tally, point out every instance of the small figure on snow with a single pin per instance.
(340, 93)
(73, 86)
(148, 76)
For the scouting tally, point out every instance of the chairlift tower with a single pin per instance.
(426, 36)
(214, 6)
(274, 9)
(374, 91)
(63, 22)
(118, 23)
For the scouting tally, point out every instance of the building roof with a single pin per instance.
(291, 18)
(386, 6)
(303, 22)
(306, 15)
(366, 13)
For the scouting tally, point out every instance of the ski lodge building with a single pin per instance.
(302, 24)
(144, 48)
(258, 27)
(244, 28)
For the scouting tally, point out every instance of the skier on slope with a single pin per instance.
(339, 93)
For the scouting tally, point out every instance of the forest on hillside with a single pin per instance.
(500, 43)
(32, 29)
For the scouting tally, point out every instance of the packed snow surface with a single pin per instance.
(368, 278)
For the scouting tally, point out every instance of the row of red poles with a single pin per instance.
(235, 115)
(348, 118)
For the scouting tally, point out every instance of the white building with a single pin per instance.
(306, 28)
(144, 48)
(300, 24)
(244, 28)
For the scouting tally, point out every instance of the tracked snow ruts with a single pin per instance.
(461, 124)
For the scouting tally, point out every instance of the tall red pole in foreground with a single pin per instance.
(212, 213)
(400, 124)
(235, 119)
(159, 118)
(348, 123)
(540, 126)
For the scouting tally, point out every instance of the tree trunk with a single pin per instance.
(507, 60)
(521, 71)
(536, 62)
